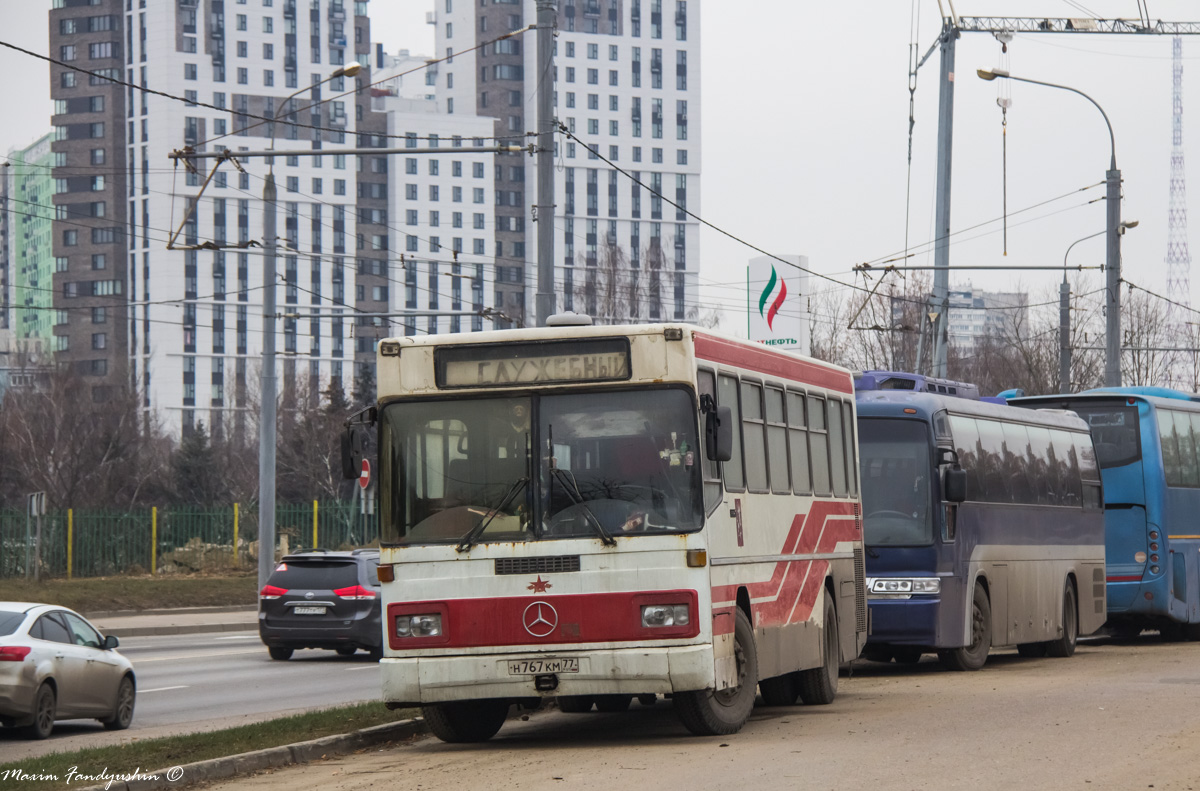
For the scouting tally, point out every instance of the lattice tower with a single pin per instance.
(1179, 260)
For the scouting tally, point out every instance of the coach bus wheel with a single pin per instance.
(780, 690)
(467, 720)
(1064, 646)
(707, 712)
(575, 704)
(973, 656)
(612, 704)
(818, 686)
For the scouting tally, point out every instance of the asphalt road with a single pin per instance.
(199, 682)
(1115, 716)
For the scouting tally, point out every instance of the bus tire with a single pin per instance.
(575, 704)
(818, 685)
(1064, 646)
(613, 704)
(973, 656)
(466, 720)
(706, 712)
(780, 690)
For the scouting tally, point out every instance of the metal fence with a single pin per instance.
(169, 540)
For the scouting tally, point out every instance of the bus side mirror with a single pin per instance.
(718, 434)
(353, 441)
(954, 484)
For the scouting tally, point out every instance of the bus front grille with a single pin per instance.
(554, 564)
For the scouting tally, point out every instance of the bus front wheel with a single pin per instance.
(466, 720)
(1064, 646)
(707, 712)
(973, 656)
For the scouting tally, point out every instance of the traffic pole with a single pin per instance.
(154, 540)
(315, 524)
(235, 534)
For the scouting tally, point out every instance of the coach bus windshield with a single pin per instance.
(539, 467)
(895, 465)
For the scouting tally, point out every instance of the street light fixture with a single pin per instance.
(266, 422)
(1112, 357)
(1064, 311)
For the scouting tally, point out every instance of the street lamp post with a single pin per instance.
(1064, 312)
(1112, 356)
(266, 421)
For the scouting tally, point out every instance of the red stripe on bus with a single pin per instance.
(792, 590)
(1137, 578)
(785, 366)
(544, 620)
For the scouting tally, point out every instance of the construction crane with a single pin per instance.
(954, 26)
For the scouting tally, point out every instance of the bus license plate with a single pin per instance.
(537, 667)
(308, 610)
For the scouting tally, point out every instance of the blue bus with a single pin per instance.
(984, 527)
(1148, 446)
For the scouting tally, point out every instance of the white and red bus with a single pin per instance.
(596, 514)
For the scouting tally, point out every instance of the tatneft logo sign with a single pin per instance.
(772, 311)
(776, 309)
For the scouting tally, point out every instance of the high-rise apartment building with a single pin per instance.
(627, 84)
(27, 262)
(184, 325)
(975, 314)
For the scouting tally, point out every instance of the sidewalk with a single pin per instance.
(190, 620)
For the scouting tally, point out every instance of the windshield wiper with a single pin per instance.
(577, 498)
(469, 540)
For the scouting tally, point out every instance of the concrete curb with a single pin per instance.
(270, 758)
(97, 614)
(198, 628)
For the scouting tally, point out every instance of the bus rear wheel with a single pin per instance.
(818, 686)
(973, 656)
(708, 712)
(1064, 646)
(780, 690)
(467, 720)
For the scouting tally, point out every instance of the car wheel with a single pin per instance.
(346, 650)
(44, 705)
(123, 713)
(280, 654)
(376, 653)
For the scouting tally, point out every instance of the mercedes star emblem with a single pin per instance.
(540, 619)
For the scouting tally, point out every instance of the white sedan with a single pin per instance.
(54, 665)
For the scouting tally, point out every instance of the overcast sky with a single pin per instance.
(804, 133)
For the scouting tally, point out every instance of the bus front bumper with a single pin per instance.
(914, 621)
(627, 671)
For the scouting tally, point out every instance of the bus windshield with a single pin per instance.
(895, 465)
(539, 467)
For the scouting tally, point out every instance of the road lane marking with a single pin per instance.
(193, 656)
(238, 637)
(364, 667)
(162, 689)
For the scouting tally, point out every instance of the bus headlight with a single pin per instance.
(906, 585)
(665, 615)
(419, 625)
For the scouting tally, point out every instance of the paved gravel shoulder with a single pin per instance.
(1115, 716)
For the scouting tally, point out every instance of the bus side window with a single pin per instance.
(706, 385)
(754, 437)
(1170, 448)
(837, 450)
(1189, 473)
(798, 444)
(731, 471)
(851, 447)
(966, 442)
(777, 454)
(818, 445)
(1040, 450)
(997, 487)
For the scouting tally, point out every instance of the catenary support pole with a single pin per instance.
(546, 21)
(266, 425)
(941, 234)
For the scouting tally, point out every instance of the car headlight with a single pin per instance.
(419, 625)
(906, 585)
(665, 615)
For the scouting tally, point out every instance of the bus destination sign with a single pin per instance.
(508, 365)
